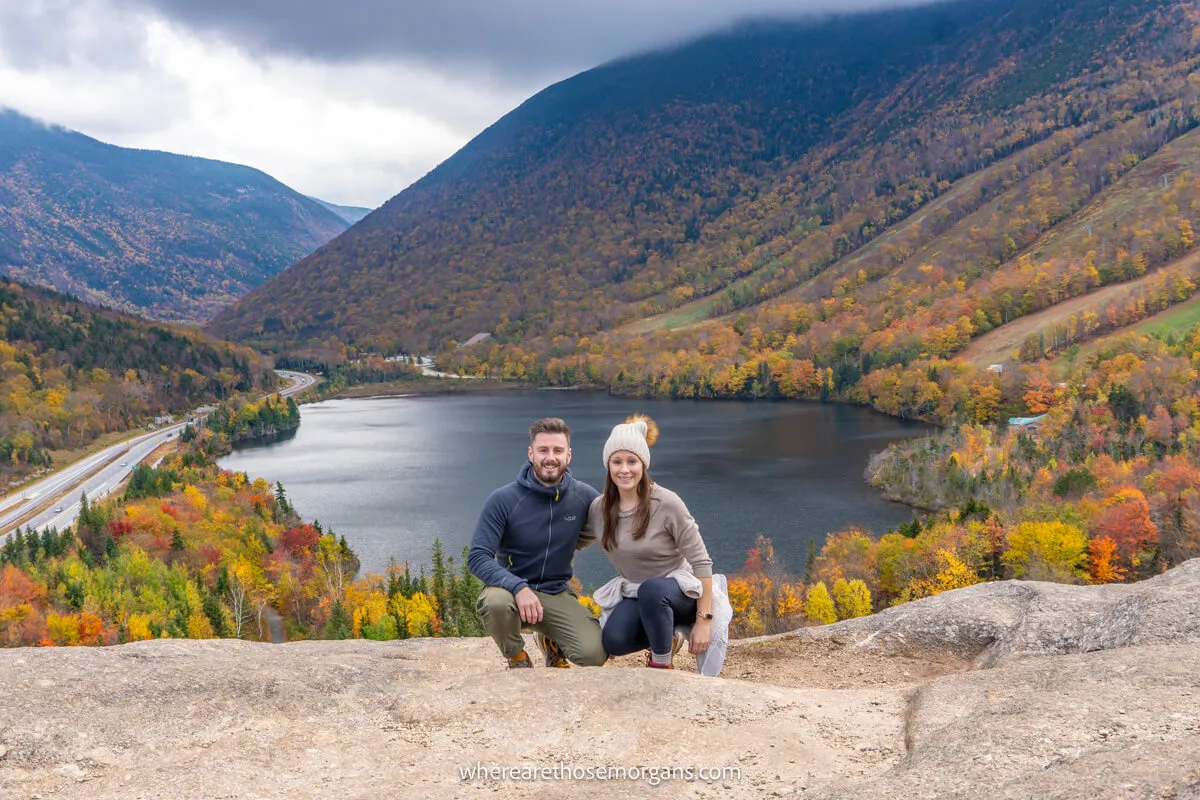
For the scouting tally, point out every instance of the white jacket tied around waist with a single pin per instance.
(711, 660)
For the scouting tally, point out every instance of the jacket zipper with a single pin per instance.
(549, 536)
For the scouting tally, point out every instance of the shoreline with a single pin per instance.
(444, 386)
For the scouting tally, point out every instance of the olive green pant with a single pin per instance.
(564, 619)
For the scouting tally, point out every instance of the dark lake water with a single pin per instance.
(393, 474)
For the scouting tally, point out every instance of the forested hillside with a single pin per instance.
(737, 168)
(70, 372)
(168, 236)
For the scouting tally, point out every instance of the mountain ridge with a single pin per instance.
(632, 187)
(170, 236)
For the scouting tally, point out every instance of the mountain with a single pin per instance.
(169, 236)
(719, 176)
(73, 372)
(351, 214)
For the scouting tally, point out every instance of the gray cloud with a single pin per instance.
(519, 42)
(50, 32)
(350, 100)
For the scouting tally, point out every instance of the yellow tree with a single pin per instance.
(819, 605)
(853, 598)
(1045, 551)
(952, 573)
(789, 603)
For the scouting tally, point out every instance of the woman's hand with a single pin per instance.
(701, 636)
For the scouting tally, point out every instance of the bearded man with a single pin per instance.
(522, 549)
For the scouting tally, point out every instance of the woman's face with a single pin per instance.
(625, 469)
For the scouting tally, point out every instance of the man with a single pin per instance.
(522, 550)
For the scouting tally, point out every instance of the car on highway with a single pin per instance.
(58, 509)
(124, 463)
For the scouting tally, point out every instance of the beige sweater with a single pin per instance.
(672, 540)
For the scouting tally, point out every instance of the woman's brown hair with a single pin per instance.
(611, 506)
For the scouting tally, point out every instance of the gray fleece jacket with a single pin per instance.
(527, 533)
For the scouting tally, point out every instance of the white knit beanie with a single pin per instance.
(636, 434)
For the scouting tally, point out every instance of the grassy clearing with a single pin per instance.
(692, 313)
(1178, 318)
(682, 317)
(1175, 319)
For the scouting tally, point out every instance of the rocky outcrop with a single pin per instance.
(991, 622)
(1071, 692)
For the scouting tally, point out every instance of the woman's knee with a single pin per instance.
(657, 591)
(613, 644)
(619, 642)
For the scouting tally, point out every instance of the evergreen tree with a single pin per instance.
(49, 543)
(438, 584)
(32, 544)
(466, 595)
(216, 615)
(281, 500)
(339, 626)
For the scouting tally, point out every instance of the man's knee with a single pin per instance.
(591, 652)
(495, 602)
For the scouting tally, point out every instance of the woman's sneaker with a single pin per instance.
(652, 664)
(677, 643)
(554, 656)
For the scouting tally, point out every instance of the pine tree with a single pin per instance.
(338, 626)
(281, 500)
(466, 595)
(438, 584)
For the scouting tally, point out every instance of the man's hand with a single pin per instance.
(700, 637)
(528, 606)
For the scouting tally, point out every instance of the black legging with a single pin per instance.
(649, 619)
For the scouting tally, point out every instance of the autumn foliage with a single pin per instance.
(70, 373)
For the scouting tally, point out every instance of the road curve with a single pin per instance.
(54, 500)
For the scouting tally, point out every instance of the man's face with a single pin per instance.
(550, 454)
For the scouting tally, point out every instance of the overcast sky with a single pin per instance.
(347, 100)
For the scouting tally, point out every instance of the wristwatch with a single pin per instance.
(703, 616)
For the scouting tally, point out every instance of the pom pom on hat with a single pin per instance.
(637, 434)
(651, 427)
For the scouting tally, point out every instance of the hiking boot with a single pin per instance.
(520, 662)
(554, 656)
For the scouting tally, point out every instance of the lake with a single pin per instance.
(392, 474)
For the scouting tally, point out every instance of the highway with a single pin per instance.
(54, 500)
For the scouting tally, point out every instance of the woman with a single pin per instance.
(655, 545)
